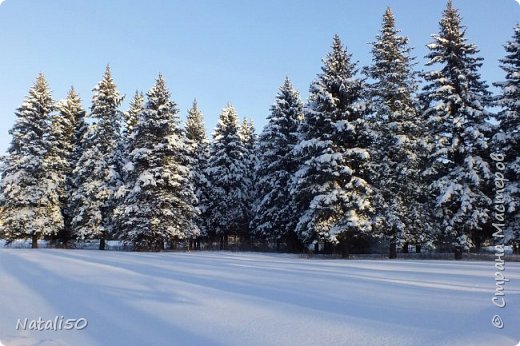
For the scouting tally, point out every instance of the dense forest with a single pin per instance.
(388, 153)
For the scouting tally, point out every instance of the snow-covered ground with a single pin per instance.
(223, 298)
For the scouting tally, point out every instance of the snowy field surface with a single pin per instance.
(223, 298)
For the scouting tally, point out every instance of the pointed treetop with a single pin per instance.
(159, 100)
(287, 87)
(107, 78)
(40, 80)
(228, 117)
(108, 73)
(247, 130)
(138, 95)
(132, 115)
(161, 91)
(391, 72)
(160, 84)
(337, 62)
(195, 123)
(72, 99)
(160, 78)
(459, 72)
(287, 84)
(287, 93)
(388, 17)
(41, 86)
(107, 83)
(450, 23)
(41, 92)
(72, 92)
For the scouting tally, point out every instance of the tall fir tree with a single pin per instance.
(29, 186)
(250, 160)
(455, 99)
(97, 174)
(274, 215)
(396, 149)
(228, 199)
(330, 188)
(67, 128)
(159, 205)
(132, 114)
(130, 119)
(507, 139)
(198, 146)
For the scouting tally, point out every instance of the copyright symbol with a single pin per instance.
(497, 322)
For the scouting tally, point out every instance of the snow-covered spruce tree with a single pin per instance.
(159, 205)
(97, 174)
(507, 139)
(198, 147)
(130, 118)
(131, 115)
(29, 186)
(225, 172)
(67, 128)
(455, 99)
(274, 216)
(330, 188)
(396, 160)
(249, 139)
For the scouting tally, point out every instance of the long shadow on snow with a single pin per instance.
(69, 298)
(318, 269)
(391, 306)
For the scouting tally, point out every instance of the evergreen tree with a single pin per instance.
(66, 131)
(97, 174)
(159, 203)
(130, 119)
(396, 158)
(249, 139)
(507, 139)
(195, 130)
(198, 146)
(274, 213)
(225, 172)
(455, 100)
(29, 186)
(330, 188)
(131, 116)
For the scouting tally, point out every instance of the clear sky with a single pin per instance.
(236, 51)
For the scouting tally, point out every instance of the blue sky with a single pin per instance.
(217, 51)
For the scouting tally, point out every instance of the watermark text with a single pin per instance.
(58, 323)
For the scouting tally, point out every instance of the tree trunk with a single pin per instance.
(417, 248)
(405, 247)
(393, 248)
(478, 243)
(344, 250)
(458, 253)
(34, 243)
(102, 243)
(293, 244)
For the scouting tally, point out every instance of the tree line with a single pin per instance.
(376, 152)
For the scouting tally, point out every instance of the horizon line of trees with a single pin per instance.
(369, 155)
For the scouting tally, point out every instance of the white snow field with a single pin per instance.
(224, 298)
